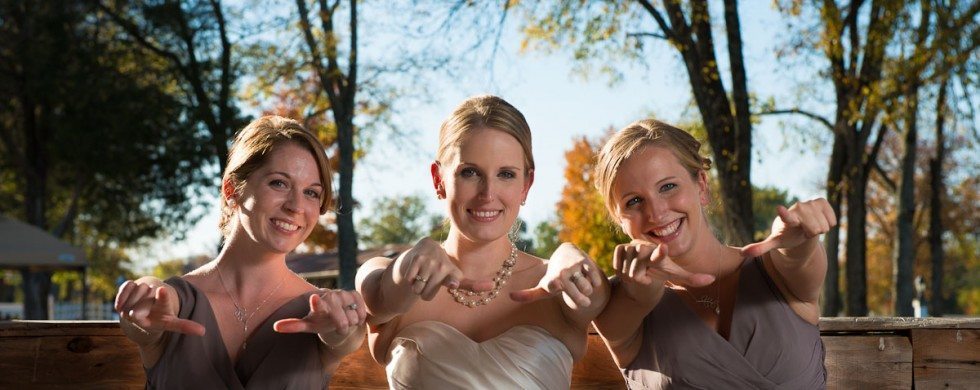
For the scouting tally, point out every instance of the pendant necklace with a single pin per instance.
(473, 299)
(240, 313)
(713, 303)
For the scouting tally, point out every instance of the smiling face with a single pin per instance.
(484, 183)
(280, 202)
(655, 198)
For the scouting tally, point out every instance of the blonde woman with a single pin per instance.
(244, 320)
(689, 311)
(473, 311)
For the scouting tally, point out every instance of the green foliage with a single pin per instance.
(168, 268)
(397, 220)
(518, 235)
(546, 238)
(764, 202)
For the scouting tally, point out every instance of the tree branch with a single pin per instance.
(797, 111)
(668, 32)
(646, 35)
(892, 186)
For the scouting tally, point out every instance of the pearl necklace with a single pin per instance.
(240, 313)
(464, 296)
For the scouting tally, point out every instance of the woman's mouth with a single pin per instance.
(284, 226)
(667, 232)
(484, 215)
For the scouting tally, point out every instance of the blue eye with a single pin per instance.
(313, 194)
(468, 172)
(667, 187)
(633, 201)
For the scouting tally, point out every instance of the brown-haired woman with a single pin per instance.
(437, 317)
(244, 320)
(688, 311)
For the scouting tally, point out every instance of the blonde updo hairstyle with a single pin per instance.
(251, 148)
(639, 134)
(483, 112)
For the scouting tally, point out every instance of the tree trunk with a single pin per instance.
(831, 290)
(856, 268)
(936, 206)
(904, 271)
(36, 284)
(346, 236)
(729, 135)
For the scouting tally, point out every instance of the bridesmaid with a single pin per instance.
(689, 311)
(244, 320)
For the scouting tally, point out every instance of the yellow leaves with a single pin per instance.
(582, 211)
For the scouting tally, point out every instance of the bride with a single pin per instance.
(475, 312)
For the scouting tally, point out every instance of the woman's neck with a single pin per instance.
(242, 264)
(707, 256)
(476, 259)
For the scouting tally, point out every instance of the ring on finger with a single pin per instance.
(575, 276)
(351, 306)
(420, 278)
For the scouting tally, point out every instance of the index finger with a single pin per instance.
(530, 295)
(181, 325)
(759, 248)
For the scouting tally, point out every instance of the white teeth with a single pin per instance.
(485, 214)
(285, 225)
(668, 230)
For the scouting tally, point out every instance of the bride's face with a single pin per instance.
(485, 184)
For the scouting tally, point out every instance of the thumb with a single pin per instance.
(163, 297)
(530, 295)
(784, 214)
(292, 325)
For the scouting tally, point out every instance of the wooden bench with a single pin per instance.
(880, 353)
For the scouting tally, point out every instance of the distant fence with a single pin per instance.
(62, 311)
(73, 311)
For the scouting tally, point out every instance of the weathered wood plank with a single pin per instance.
(596, 370)
(946, 358)
(59, 328)
(70, 362)
(359, 371)
(868, 362)
(889, 324)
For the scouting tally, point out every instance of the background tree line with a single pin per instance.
(162, 86)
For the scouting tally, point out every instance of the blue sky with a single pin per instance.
(561, 105)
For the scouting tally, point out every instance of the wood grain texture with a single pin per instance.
(70, 362)
(946, 358)
(888, 324)
(879, 353)
(868, 362)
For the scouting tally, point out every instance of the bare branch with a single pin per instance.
(646, 35)
(797, 111)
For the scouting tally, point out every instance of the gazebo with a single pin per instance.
(27, 248)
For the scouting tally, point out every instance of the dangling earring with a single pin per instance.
(232, 203)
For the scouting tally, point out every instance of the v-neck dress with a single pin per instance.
(271, 361)
(770, 346)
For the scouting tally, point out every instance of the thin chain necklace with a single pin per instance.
(473, 299)
(240, 313)
(707, 301)
(713, 303)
